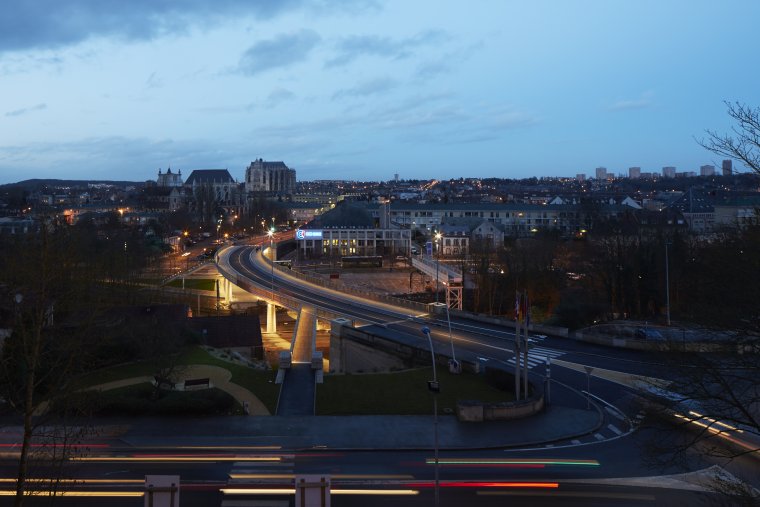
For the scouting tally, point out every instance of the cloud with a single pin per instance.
(278, 96)
(227, 109)
(49, 24)
(55, 23)
(114, 157)
(352, 47)
(416, 118)
(154, 81)
(507, 120)
(622, 105)
(10, 64)
(366, 88)
(283, 50)
(447, 125)
(26, 110)
(431, 69)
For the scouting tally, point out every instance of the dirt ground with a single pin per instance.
(386, 281)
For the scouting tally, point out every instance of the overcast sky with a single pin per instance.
(342, 89)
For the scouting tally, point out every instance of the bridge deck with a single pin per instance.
(428, 265)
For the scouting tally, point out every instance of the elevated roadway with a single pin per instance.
(491, 345)
(399, 320)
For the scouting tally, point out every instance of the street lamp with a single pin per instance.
(270, 233)
(435, 389)
(437, 260)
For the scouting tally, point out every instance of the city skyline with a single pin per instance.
(366, 89)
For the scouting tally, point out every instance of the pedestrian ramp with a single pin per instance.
(537, 356)
(304, 337)
(300, 368)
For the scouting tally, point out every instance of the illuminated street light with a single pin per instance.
(270, 233)
(435, 389)
(438, 236)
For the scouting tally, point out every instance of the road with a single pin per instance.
(611, 465)
(213, 475)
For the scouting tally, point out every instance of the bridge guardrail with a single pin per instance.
(412, 305)
(226, 270)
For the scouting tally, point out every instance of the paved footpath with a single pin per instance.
(218, 377)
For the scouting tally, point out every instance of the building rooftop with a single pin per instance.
(201, 176)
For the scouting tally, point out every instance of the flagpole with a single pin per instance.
(517, 346)
(527, 323)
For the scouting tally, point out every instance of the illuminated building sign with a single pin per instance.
(302, 234)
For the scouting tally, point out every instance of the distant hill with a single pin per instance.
(37, 184)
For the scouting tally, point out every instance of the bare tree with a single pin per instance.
(744, 141)
(46, 279)
(54, 282)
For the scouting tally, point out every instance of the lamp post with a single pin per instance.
(437, 260)
(270, 233)
(435, 389)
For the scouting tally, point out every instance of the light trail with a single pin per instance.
(5, 492)
(513, 462)
(292, 491)
(173, 459)
(482, 484)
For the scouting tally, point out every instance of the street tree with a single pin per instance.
(46, 277)
(55, 280)
(743, 143)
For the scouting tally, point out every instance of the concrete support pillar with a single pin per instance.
(271, 318)
(338, 357)
(229, 291)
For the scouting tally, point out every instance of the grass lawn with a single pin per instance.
(194, 283)
(138, 400)
(121, 371)
(259, 382)
(402, 393)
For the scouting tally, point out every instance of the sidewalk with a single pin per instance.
(557, 423)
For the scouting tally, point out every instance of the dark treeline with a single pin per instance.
(619, 272)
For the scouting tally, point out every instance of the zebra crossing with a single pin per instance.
(537, 356)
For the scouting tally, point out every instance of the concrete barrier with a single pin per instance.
(478, 411)
(506, 322)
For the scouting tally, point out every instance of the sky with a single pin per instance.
(365, 89)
